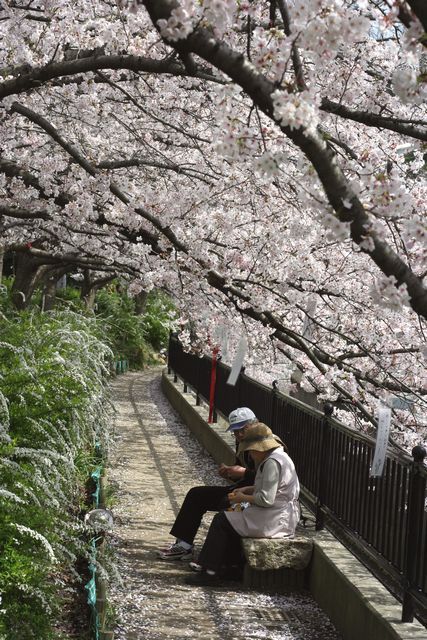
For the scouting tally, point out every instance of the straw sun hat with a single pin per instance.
(259, 437)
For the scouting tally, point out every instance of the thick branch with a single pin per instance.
(42, 257)
(419, 7)
(323, 159)
(23, 214)
(39, 75)
(374, 120)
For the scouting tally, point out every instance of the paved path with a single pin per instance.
(153, 464)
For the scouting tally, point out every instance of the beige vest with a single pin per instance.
(279, 520)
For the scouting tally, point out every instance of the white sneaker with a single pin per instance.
(175, 552)
(195, 567)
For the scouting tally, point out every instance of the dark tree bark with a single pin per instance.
(141, 302)
(91, 285)
(52, 276)
(29, 273)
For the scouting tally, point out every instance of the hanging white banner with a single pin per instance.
(384, 419)
(238, 361)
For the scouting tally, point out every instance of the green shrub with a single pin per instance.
(158, 317)
(53, 409)
(135, 337)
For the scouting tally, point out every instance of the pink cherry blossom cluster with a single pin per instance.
(180, 23)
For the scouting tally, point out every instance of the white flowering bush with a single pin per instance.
(53, 410)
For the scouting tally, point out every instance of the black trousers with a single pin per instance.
(197, 501)
(222, 547)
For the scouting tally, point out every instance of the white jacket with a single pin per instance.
(279, 520)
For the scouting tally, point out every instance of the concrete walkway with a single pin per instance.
(153, 464)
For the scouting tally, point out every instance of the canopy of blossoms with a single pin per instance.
(263, 161)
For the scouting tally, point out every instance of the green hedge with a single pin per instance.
(135, 337)
(53, 408)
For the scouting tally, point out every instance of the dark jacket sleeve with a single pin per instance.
(249, 477)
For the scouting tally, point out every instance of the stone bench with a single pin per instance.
(278, 563)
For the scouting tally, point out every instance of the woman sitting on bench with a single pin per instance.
(273, 510)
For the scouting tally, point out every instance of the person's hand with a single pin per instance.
(223, 470)
(233, 472)
(236, 497)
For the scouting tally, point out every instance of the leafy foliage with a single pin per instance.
(131, 335)
(53, 409)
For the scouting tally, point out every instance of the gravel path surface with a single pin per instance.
(154, 463)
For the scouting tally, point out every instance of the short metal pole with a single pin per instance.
(415, 514)
(323, 469)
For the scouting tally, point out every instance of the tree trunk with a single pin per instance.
(49, 294)
(90, 298)
(88, 290)
(51, 280)
(140, 302)
(28, 274)
(90, 286)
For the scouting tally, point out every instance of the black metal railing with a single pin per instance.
(383, 519)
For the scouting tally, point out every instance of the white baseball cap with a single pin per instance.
(239, 417)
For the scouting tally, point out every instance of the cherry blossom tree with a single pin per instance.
(263, 161)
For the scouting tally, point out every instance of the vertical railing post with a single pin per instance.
(215, 413)
(212, 410)
(323, 466)
(414, 526)
(273, 404)
(199, 364)
(169, 352)
(239, 387)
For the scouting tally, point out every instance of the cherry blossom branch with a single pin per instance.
(24, 214)
(346, 394)
(281, 332)
(336, 186)
(135, 102)
(34, 77)
(140, 162)
(419, 7)
(296, 59)
(374, 120)
(330, 360)
(11, 169)
(93, 171)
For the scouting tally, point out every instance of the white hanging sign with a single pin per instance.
(238, 361)
(384, 419)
